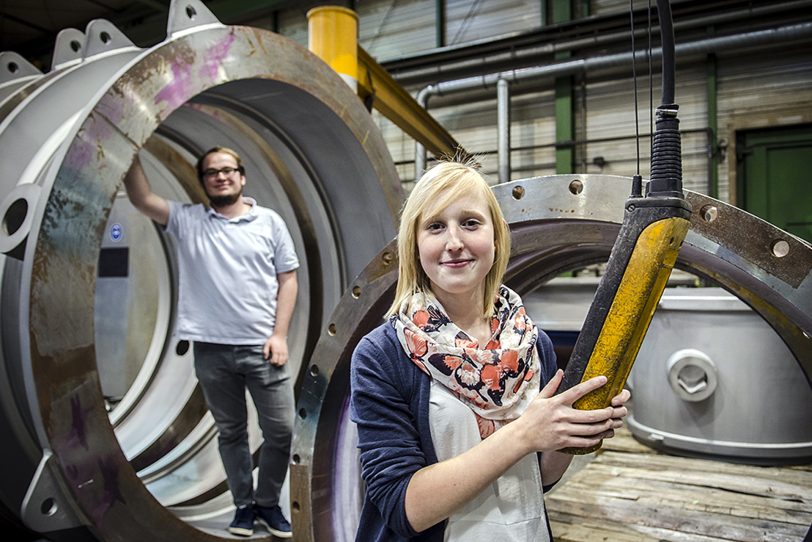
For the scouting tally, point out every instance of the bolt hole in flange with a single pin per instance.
(709, 213)
(518, 192)
(15, 216)
(48, 507)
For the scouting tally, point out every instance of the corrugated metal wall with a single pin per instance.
(395, 28)
(293, 24)
(468, 21)
(610, 114)
(603, 7)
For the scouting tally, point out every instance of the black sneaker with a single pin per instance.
(243, 524)
(273, 519)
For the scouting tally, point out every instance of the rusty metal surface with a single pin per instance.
(558, 223)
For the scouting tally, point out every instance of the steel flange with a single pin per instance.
(150, 470)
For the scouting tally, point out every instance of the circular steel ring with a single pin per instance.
(557, 223)
(253, 84)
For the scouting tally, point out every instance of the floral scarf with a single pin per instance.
(496, 381)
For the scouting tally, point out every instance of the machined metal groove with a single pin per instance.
(558, 222)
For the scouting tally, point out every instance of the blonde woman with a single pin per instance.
(454, 395)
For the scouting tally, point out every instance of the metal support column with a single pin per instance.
(564, 121)
(503, 129)
(332, 35)
(713, 125)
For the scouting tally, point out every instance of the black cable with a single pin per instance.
(637, 179)
(634, 79)
(650, 88)
(667, 44)
(666, 156)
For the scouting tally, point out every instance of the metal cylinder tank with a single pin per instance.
(705, 359)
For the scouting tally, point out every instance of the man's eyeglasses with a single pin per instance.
(227, 171)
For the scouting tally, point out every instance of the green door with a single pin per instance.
(775, 172)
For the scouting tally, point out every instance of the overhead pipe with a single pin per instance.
(513, 50)
(332, 35)
(420, 149)
(773, 36)
(503, 129)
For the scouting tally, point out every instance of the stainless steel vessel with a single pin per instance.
(713, 379)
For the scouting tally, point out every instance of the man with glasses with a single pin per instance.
(237, 290)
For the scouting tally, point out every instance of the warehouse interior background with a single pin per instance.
(532, 88)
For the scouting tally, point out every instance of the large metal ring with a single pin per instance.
(151, 470)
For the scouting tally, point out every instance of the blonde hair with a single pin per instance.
(435, 190)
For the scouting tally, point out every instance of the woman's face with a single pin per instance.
(456, 247)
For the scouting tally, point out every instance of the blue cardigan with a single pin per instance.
(390, 405)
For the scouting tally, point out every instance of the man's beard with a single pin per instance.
(225, 200)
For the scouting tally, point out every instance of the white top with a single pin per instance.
(511, 508)
(227, 276)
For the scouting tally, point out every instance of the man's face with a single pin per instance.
(222, 181)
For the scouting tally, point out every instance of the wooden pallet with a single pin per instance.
(628, 492)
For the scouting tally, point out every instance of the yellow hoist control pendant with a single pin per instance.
(638, 270)
(642, 257)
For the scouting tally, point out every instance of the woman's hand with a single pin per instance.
(619, 410)
(551, 422)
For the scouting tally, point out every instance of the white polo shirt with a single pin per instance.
(227, 272)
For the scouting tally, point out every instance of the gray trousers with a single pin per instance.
(224, 372)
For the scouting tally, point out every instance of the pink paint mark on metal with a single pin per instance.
(215, 56)
(177, 91)
(81, 152)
